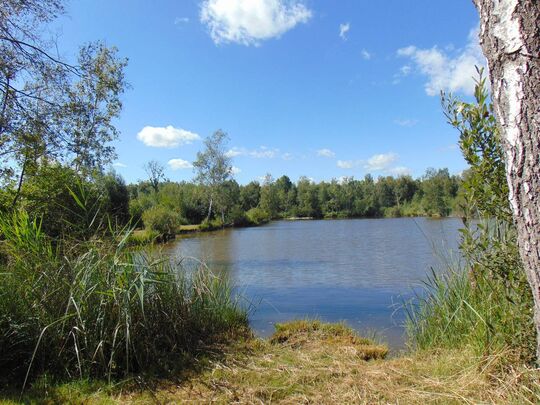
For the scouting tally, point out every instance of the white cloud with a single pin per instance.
(326, 153)
(365, 55)
(347, 164)
(405, 70)
(344, 179)
(262, 152)
(380, 162)
(343, 29)
(166, 137)
(447, 72)
(118, 164)
(399, 171)
(406, 122)
(235, 170)
(287, 156)
(248, 22)
(178, 164)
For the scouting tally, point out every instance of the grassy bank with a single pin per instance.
(310, 362)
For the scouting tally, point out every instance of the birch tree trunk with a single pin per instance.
(510, 39)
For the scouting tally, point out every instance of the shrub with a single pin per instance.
(161, 219)
(238, 217)
(257, 216)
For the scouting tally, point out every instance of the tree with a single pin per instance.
(155, 172)
(510, 39)
(213, 168)
(250, 195)
(48, 107)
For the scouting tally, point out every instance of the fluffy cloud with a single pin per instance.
(365, 55)
(326, 153)
(380, 162)
(119, 164)
(166, 137)
(249, 22)
(343, 29)
(235, 170)
(445, 72)
(178, 164)
(262, 152)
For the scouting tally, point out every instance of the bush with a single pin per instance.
(161, 219)
(238, 217)
(257, 216)
(96, 309)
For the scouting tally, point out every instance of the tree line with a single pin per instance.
(436, 193)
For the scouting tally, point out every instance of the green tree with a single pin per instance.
(156, 174)
(50, 108)
(250, 195)
(307, 198)
(269, 201)
(213, 168)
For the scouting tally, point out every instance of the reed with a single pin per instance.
(97, 309)
(483, 303)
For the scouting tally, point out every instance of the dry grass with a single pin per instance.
(310, 362)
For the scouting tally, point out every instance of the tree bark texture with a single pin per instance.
(510, 39)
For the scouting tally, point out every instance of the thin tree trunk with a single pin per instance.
(4, 107)
(510, 39)
(19, 185)
(209, 209)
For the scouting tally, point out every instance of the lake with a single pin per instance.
(357, 270)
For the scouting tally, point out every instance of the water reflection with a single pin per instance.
(352, 270)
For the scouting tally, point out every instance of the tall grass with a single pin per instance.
(484, 303)
(98, 309)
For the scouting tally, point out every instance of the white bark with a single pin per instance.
(510, 39)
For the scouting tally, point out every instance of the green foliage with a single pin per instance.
(439, 189)
(485, 182)
(434, 194)
(250, 195)
(96, 309)
(486, 303)
(143, 237)
(161, 220)
(257, 216)
(213, 168)
(211, 225)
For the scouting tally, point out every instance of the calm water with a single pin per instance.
(358, 271)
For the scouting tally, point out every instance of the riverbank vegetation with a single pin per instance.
(437, 193)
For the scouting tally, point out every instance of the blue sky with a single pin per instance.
(316, 88)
